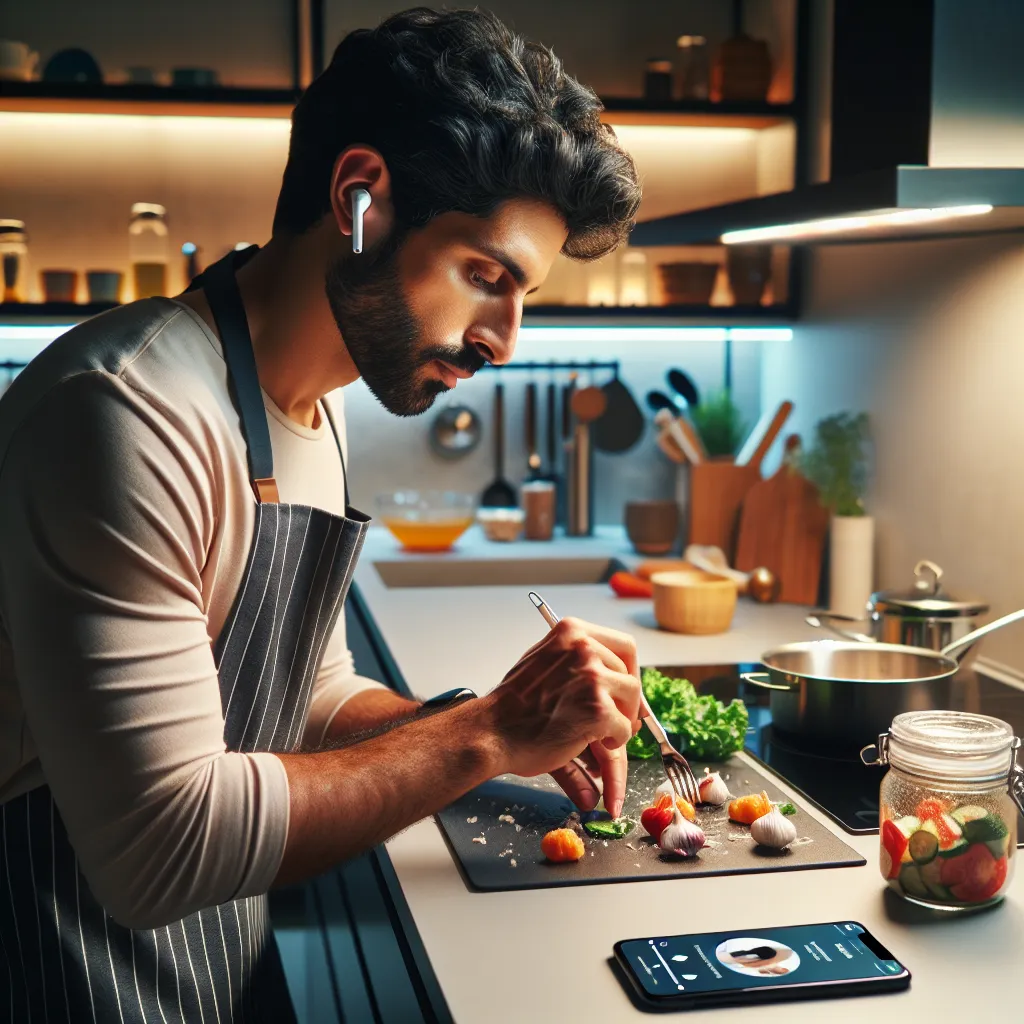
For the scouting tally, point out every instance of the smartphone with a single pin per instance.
(760, 965)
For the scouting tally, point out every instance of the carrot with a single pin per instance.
(747, 809)
(562, 844)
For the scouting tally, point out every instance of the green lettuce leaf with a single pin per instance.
(707, 729)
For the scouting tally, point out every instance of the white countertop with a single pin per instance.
(541, 955)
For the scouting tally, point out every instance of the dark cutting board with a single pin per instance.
(511, 857)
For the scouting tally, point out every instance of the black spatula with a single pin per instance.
(499, 493)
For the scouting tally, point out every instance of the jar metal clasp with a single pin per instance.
(1017, 777)
(880, 753)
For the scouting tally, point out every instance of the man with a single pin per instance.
(176, 545)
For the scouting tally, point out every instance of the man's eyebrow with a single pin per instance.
(500, 256)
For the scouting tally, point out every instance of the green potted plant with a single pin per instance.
(837, 463)
(719, 424)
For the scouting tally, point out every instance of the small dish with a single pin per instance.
(426, 520)
(694, 602)
(501, 524)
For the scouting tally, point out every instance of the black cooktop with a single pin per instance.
(840, 786)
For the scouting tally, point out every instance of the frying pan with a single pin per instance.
(622, 424)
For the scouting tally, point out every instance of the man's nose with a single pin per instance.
(496, 342)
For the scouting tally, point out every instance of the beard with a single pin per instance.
(383, 335)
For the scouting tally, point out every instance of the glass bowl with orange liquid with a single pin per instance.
(427, 520)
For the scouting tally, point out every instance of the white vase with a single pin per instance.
(852, 564)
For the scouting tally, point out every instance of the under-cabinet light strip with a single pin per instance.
(43, 334)
(867, 221)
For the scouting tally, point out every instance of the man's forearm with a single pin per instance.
(345, 801)
(366, 712)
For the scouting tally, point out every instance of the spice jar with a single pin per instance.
(658, 79)
(948, 824)
(148, 249)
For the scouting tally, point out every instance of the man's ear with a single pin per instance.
(362, 168)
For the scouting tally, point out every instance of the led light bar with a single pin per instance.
(41, 334)
(641, 334)
(868, 221)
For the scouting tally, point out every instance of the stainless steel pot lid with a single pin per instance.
(925, 598)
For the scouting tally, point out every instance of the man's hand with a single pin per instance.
(575, 693)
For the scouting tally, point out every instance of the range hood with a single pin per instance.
(926, 134)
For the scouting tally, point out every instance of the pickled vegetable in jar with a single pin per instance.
(948, 808)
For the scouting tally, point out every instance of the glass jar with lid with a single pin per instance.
(148, 249)
(948, 807)
(14, 261)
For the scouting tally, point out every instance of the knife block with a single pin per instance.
(716, 493)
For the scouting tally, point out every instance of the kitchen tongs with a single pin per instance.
(677, 768)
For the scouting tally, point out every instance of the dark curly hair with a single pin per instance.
(466, 115)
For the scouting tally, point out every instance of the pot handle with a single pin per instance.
(959, 648)
(763, 679)
(820, 620)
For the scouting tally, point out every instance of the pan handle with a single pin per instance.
(959, 648)
(820, 620)
(763, 679)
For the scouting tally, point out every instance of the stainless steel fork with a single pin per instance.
(677, 768)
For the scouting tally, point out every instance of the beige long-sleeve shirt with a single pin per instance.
(126, 517)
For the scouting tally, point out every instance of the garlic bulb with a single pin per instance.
(682, 837)
(773, 829)
(713, 789)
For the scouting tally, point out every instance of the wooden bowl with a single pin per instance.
(693, 602)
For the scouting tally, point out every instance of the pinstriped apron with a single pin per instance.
(62, 957)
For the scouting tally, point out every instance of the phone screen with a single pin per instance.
(814, 954)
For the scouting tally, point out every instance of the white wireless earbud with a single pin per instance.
(360, 204)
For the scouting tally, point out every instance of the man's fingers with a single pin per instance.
(578, 785)
(613, 771)
(622, 645)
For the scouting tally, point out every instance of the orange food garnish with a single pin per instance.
(562, 844)
(685, 807)
(747, 809)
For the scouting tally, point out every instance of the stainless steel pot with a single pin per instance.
(925, 615)
(830, 694)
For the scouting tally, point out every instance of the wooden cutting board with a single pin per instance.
(783, 527)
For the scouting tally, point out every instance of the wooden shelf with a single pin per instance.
(225, 101)
(695, 113)
(23, 311)
(152, 100)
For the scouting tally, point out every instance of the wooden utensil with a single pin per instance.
(530, 415)
(761, 585)
(673, 427)
(783, 527)
(762, 437)
(717, 490)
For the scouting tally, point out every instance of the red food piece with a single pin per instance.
(975, 875)
(931, 808)
(947, 836)
(656, 819)
(895, 843)
(626, 584)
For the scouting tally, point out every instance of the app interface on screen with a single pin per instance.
(719, 961)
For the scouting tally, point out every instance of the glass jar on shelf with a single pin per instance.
(948, 807)
(695, 70)
(14, 260)
(633, 278)
(148, 249)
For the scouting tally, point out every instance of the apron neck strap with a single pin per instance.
(225, 301)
